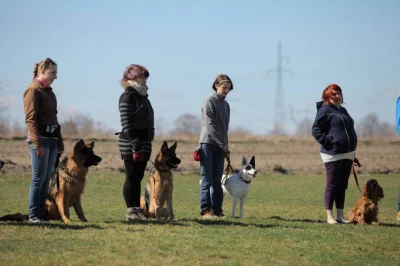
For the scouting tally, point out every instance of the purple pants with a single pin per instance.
(337, 178)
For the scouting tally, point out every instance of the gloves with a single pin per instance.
(356, 162)
(138, 156)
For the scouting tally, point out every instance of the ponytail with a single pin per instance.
(35, 70)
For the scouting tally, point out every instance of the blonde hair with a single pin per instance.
(42, 65)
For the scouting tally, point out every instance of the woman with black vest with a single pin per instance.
(333, 128)
(135, 140)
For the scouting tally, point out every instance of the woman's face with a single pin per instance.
(335, 97)
(223, 88)
(49, 75)
(142, 80)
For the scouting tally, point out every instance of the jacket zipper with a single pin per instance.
(352, 132)
(140, 107)
(348, 138)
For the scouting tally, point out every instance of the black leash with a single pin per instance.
(56, 169)
(356, 163)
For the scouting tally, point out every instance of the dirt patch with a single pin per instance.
(294, 156)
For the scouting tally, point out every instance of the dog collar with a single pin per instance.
(247, 182)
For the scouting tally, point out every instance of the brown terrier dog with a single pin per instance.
(366, 209)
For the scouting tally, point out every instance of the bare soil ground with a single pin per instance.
(295, 155)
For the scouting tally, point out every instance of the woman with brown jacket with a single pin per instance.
(44, 134)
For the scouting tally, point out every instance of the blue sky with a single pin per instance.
(186, 44)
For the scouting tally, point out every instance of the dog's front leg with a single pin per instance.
(235, 199)
(170, 210)
(158, 212)
(63, 207)
(159, 202)
(241, 207)
(79, 210)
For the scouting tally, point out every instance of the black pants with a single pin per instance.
(134, 173)
(337, 178)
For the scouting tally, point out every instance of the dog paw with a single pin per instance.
(84, 220)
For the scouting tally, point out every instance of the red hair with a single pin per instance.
(326, 94)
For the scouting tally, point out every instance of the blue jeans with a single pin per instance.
(42, 168)
(211, 168)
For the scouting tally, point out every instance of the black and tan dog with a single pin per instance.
(160, 186)
(66, 188)
(72, 180)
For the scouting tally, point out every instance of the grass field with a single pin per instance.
(284, 224)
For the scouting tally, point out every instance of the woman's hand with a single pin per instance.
(40, 151)
(226, 150)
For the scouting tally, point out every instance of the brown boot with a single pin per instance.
(207, 214)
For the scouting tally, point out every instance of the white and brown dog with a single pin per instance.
(238, 184)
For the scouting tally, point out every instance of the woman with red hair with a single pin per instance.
(333, 128)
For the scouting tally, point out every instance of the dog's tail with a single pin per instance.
(18, 217)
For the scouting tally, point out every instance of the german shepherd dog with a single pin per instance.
(66, 187)
(160, 186)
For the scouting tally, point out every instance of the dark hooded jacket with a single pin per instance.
(333, 128)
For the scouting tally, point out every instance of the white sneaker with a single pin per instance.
(34, 220)
(131, 215)
(139, 213)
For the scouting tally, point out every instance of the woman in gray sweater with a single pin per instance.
(215, 114)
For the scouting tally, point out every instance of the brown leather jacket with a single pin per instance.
(40, 105)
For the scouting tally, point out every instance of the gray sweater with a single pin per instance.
(215, 115)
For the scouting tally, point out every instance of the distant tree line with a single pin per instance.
(185, 125)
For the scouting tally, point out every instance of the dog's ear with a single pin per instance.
(244, 160)
(91, 144)
(364, 191)
(164, 146)
(253, 162)
(79, 145)
(173, 147)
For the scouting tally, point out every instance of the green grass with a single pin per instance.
(283, 224)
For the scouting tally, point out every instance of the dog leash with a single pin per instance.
(228, 167)
(356, 162)
(57, 173)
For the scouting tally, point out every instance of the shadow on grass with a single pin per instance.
(389, 225)
(233, 223)
(150, 221)
(298, 220)
(55, 226)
